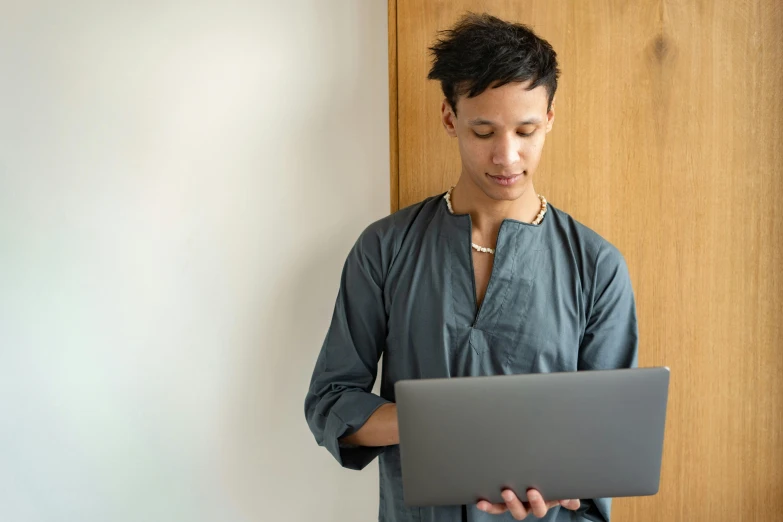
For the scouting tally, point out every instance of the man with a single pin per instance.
(486, 279)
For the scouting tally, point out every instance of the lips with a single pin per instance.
(505, 180)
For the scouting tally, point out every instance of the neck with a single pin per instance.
(487, 214)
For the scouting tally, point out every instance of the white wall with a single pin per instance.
(179, 185)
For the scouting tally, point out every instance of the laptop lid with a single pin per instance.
(586, 434)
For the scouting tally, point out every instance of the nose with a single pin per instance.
(506, 151)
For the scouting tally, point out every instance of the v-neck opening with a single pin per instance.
(478, 307)
(512, 236)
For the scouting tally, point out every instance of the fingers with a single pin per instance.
(515, 505)
(572, 504)
(519, 510)
(537, 505)
(492, 509)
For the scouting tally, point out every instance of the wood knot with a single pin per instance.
(661, 48)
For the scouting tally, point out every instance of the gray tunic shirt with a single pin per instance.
(559, 299)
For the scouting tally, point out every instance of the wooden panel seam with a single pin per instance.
(394, 192)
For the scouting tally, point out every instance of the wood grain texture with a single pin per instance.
(667, 141)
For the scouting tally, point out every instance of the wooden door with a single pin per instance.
(668, 141)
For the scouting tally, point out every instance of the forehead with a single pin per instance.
(511, 102)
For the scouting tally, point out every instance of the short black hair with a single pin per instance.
(482, 51)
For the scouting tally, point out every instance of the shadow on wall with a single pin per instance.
(271, 449)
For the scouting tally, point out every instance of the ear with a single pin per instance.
(448, 118)
(550, 116)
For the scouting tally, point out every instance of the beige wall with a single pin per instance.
(179, 185)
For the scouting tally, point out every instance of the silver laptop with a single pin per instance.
(583, 434)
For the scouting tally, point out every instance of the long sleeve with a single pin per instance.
(339, 400)
(611, 338)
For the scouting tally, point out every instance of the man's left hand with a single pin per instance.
(519, 510)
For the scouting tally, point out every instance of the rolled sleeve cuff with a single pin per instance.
(346, 417)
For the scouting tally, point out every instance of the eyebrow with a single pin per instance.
(480, 121)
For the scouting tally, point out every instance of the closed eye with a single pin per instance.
(485, 136)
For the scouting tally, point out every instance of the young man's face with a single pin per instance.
(501, 134)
